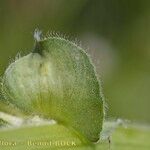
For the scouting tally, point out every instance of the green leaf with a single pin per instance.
(127, 137)
(55, 136)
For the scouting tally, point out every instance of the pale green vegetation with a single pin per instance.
(125, 137)
(117, 36)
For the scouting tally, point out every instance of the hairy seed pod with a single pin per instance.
(58, 81)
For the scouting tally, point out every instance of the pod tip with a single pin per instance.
(37, 35)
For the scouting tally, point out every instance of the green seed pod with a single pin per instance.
(58, 81)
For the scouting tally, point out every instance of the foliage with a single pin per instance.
(126, 137)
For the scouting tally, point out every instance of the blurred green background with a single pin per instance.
(115, 32)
